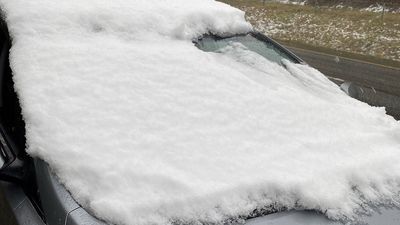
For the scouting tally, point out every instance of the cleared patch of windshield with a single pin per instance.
(265, 48)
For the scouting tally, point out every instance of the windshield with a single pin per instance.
(265, 48)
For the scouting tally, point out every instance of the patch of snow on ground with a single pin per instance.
(374, 8)
(294, 2)
(378, 8)
(144, 128)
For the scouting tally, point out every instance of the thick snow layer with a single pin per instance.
(144, 128)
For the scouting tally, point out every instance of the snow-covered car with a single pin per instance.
(178, 112)
(33, 194)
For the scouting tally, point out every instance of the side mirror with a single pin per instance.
(6, 155)
(10, 165)
(351, 89)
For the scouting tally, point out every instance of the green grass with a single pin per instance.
(352, 33)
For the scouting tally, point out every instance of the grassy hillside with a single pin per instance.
(354, 31)
(355, 3)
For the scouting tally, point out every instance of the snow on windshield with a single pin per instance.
(142, 127)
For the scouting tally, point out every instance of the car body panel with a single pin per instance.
(22, 210)
(62, 208)
(56, 201)
(293, 218)
(81, 217)
(381, 216)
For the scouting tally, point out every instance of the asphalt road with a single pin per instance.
(382, 78)
(375, 84)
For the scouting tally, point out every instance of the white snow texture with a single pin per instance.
(144, 128)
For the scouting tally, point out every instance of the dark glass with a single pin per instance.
(265, 48)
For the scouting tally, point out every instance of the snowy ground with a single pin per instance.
(340, 29)
(374, 7)
(144, 128)
(377, 8)
(294, 2)
(290, 2)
